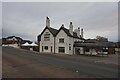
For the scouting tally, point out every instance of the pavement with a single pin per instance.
(21, 63)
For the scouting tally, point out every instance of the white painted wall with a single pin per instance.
(47, 43)
(68, 41)
(14, 45)
(81, 50)
(71, 42)
(117, 49)
(92, 52)
(62, 34)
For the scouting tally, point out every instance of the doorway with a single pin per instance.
(51, 48)
(42, 48)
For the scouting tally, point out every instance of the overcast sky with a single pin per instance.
(27, 19)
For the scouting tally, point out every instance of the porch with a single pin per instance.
(96, 49)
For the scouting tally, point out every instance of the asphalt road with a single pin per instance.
(74, 68)
(0, 62)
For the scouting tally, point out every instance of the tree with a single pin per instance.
(103, 39)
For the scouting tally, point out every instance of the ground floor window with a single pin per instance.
(62, 49)
(46, 47)
(104, 50)
(69, 48)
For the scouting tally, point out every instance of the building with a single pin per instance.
(12, 41)
(94, 47)
(59, 41)
(117, 47)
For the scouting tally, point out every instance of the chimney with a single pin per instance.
(82, 32)
(47, 22)
(71, 28)
(78, 32)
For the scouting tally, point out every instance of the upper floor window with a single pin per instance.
(61, 40)
(47, 36)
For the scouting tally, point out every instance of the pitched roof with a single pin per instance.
(18, 38)
(55, 32)
(68, 33)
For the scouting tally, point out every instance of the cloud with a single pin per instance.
(28, 18)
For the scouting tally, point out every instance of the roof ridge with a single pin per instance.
(65, 28)
(52, 28)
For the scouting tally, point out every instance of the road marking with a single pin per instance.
(98, 61)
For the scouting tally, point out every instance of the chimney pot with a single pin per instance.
(70, 22)
(62, 25)
(47, 17)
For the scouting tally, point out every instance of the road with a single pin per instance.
(21, 63)
(0, 62)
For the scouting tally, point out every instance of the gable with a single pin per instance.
(62, 34)
(47, 31)
(14, 38)
(68, 33)
(51, 30)
(54, 32)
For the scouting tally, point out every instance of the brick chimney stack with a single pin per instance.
(78, 32)
(82, 33)
(47, 22)
(71, 28)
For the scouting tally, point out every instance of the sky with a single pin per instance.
(0, 20)
(27, 19)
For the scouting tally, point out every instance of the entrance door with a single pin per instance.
(51, 48)
(42, 48)
(77, 51)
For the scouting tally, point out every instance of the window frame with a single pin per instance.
(46, 47)
(47, 36)
(60, 50)
(61, 40)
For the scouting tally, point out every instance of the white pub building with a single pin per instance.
(59, 41)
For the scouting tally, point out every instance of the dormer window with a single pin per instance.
(61, 40)
(47, 36)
